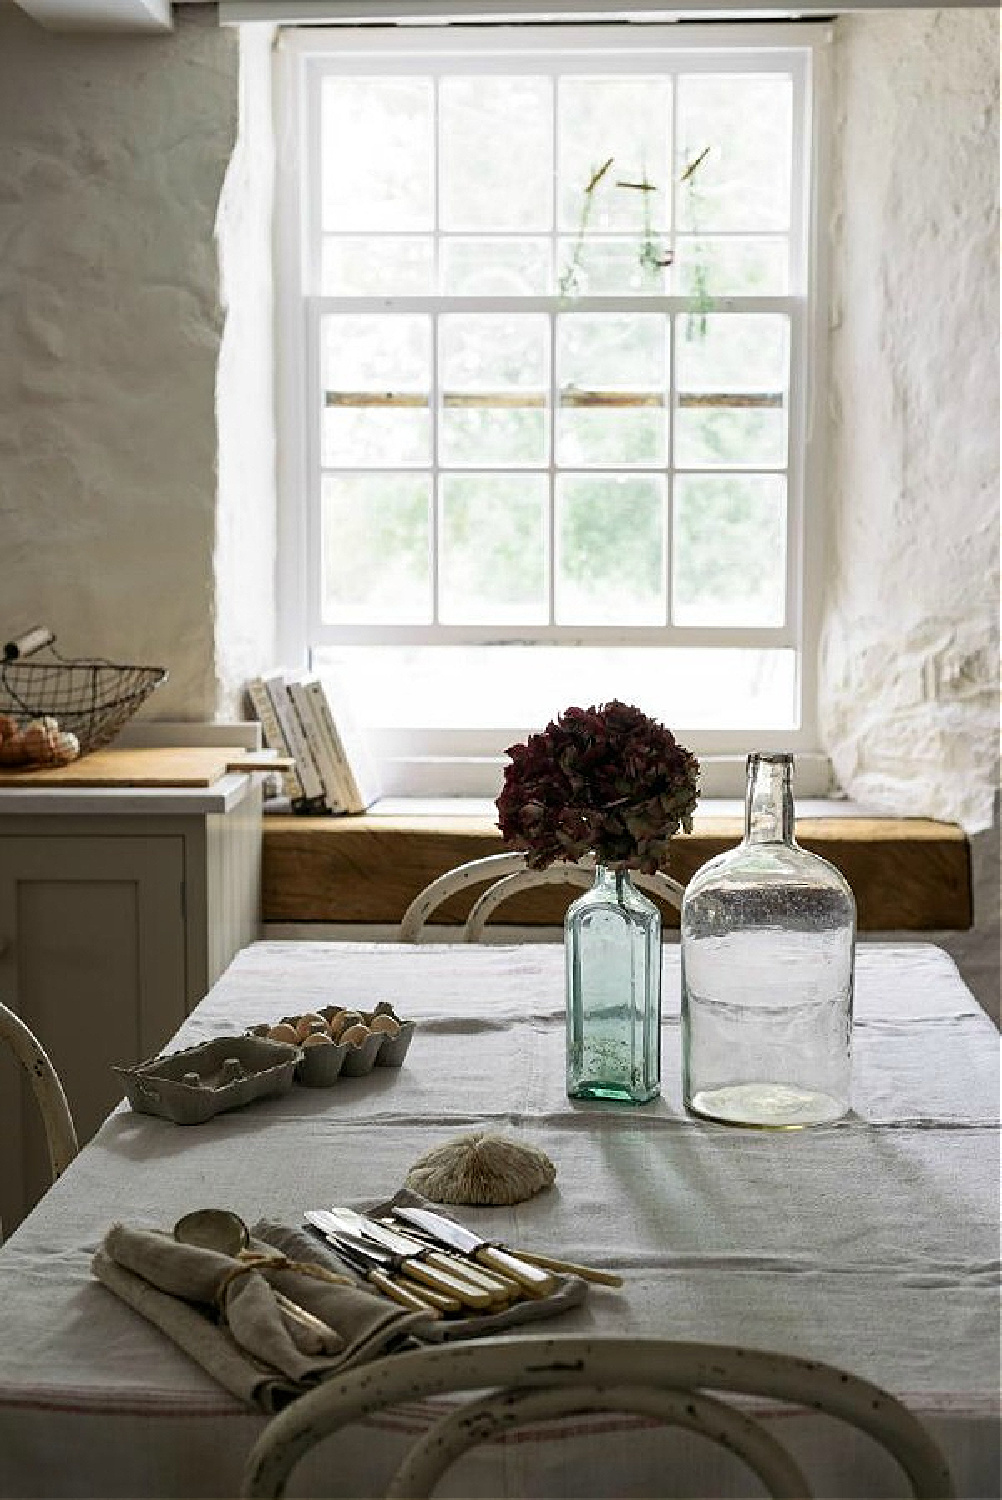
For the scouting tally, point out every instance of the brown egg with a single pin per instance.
(317, 1039)
(283, 1032)
(384, 1023)
(343, 1020)
(303, 1027)
(355, 1035)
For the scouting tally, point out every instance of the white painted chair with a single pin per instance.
(508, 874)
(60, 1134)
(538, 1379)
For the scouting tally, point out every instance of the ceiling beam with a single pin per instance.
(319, 12)
(100, 15)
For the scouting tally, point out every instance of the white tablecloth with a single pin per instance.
(872, 1243)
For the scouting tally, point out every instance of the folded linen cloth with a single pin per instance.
(225, 1315)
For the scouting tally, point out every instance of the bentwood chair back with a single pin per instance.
(60, 1134)
(506, 875)
(533, 1380)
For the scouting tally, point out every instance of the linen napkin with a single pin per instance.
(224, 1313)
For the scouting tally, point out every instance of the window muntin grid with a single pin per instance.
(770, 268)
(537, 416)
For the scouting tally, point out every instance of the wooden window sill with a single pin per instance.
(908, 874)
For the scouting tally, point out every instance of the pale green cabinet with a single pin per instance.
(112, 927)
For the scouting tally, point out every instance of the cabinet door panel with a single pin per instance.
(95, 965)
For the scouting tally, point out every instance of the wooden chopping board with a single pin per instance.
(189, 765)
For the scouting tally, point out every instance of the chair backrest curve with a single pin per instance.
(524, 1362)
(60, 1134)
(505, 875)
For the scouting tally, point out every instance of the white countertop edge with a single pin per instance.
(221, 797)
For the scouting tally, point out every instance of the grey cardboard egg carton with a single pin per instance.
(322, 1065)
(198, 1082)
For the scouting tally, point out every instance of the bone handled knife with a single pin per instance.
(534, 1280)
(372, 1273)
(391, 1237)
(415, 1270)
(460, 1265)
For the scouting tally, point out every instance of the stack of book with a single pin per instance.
(334, 771)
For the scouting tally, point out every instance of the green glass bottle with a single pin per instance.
(612, 941)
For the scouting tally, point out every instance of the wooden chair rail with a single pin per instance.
(907, 874)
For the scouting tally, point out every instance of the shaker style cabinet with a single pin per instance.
(113, 925)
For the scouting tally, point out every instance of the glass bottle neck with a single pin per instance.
(769, 800)
(614, 882)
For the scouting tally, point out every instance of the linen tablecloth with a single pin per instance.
(872, 1243)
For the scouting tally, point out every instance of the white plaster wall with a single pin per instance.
(112, 156)
(909, 678)
(909, 702)
(246, 514)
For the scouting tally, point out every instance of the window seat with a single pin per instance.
(908, 874)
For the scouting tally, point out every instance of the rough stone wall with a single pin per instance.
(112, 156)
(909, 675)
(909, 680)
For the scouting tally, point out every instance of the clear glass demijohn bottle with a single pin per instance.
(768, 945)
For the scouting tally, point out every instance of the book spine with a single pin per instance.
(302, 707)
(353, 799)
(313, 789)
(274, 735)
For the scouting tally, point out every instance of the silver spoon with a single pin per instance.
(225, 1232)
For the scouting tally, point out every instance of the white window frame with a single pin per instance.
(303, 55)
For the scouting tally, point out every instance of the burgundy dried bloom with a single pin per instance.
(606, 780)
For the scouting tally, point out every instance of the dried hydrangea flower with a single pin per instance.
(608, 781)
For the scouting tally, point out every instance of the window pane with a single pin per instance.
(732, 392)
(496, 153)
(629, 120)
(494, 376)
(514, 687)
(377, 266)
(493, 546)
(591, 267)
(610, 550)
(486, 267)
(376, 375)
(729, 550)
(715, 267)
(729, 438)
(377, 153)
(375, 539)
(612, 373)
(746, 121)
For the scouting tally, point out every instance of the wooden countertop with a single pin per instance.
(907, 874)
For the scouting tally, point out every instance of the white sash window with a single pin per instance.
(548, 315)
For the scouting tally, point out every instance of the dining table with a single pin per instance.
(871, 1243)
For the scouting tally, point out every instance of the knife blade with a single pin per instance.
(534, 1280)
(501, 1291)
(461, 1265)
(386, 1284)
(440, 1282)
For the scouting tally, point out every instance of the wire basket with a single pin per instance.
(89, 697)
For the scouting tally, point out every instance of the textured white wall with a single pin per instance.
(909, 672)
(909, 686)
(112, 156)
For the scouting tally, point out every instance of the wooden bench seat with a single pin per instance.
(908, 874)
